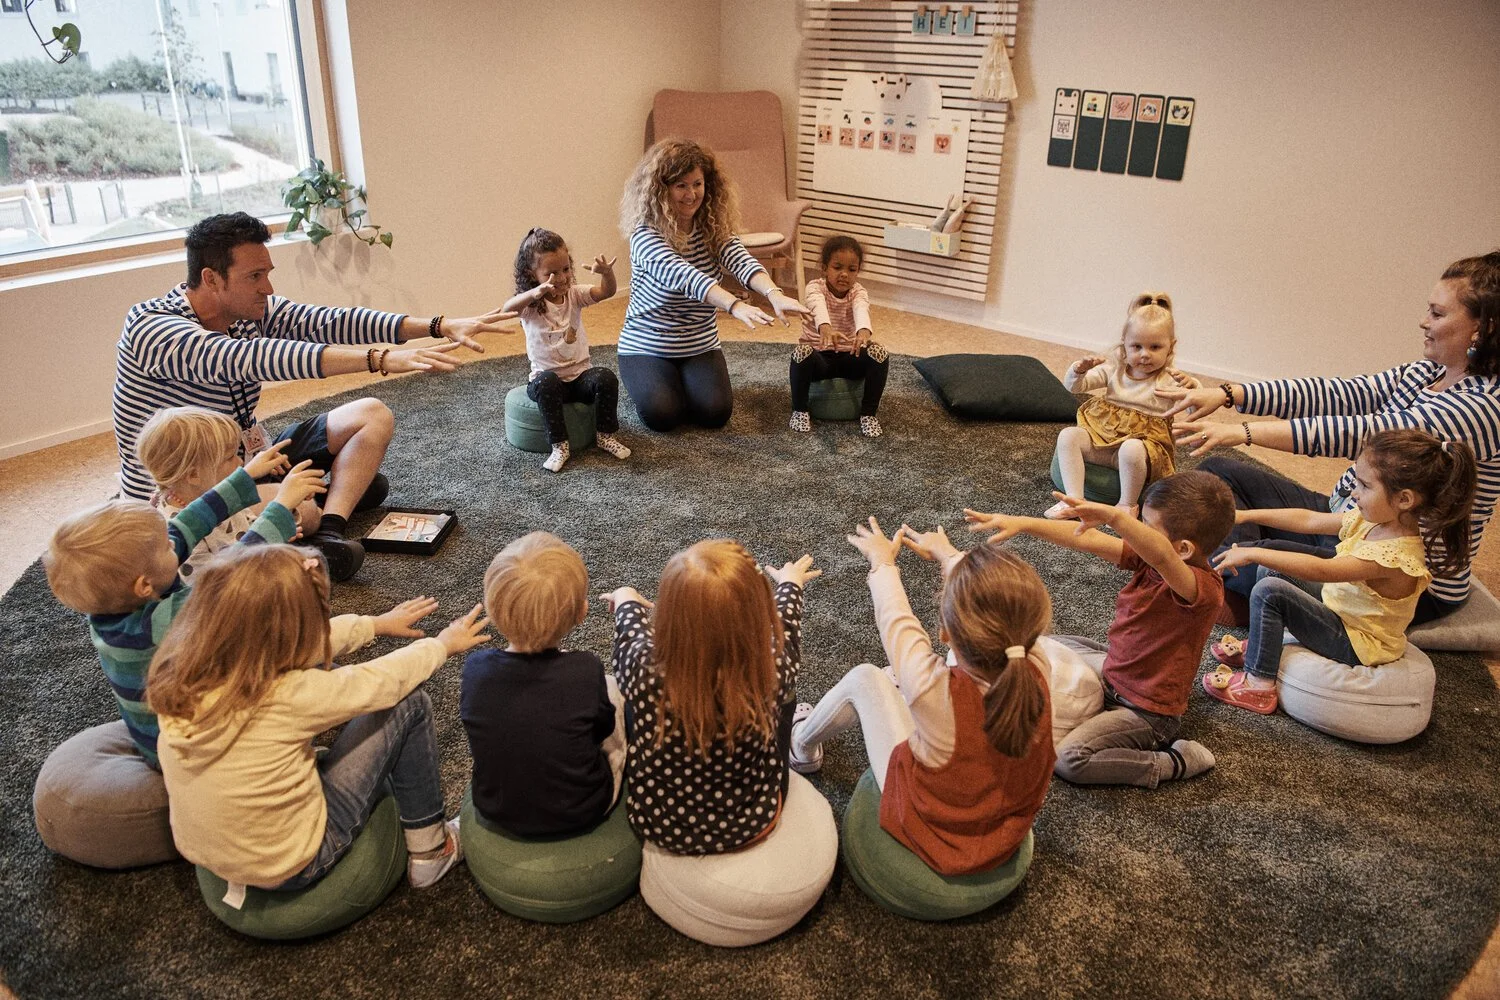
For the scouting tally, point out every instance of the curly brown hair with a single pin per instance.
(647, 198)
(1480, 294)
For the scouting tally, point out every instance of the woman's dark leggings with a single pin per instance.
(820, 365)
(672, 391)
(597, 385)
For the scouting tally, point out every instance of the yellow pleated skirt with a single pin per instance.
(1110, 424)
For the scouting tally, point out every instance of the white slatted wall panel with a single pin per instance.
(840, 39)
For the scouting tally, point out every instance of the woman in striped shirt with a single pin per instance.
(679, 213)
(1453, 393)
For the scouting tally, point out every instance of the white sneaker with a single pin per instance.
(813, 763)
(423, 872)
(870, 427)
(612, 444)
(558, 458)
(801, 421)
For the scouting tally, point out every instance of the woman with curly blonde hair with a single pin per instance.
(679, 213)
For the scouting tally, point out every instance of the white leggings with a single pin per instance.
(614, 744)
(864, 697)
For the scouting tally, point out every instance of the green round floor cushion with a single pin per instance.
(555, 881)
(901, 882)
(524, 427)
(1101, 484)
(359, 881)
(836, 398)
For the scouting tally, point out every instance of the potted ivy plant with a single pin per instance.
(323, 200)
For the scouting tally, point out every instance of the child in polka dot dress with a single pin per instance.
(711, 679)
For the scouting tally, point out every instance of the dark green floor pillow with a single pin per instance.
(836, 398)
(998, 387)
(359, 881)
(525, 430)
(555, 881)
(901, 882)
(1101, 484)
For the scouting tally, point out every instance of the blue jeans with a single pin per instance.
(398, 745)
(1277, 603)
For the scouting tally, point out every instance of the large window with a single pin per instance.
(173, 111)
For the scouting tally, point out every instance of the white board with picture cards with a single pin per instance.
(889, 137)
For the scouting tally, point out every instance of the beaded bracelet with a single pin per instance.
(1228, 394)
(435, 327)
(381, 363)
(370, 359)
(1246, 424)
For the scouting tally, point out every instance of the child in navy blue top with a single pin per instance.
(546, 726)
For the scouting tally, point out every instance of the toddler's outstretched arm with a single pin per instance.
(605, 268)
(1155, 548)
(1080, 537)
(1316, 569)
(1311, 522)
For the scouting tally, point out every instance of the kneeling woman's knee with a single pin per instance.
(659, 413)
(715, 413)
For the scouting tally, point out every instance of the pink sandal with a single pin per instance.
(1232, 688)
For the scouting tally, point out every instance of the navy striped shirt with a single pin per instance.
(667, 316)
(1334, 416)
(166, 358)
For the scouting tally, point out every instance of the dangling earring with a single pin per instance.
(1473, 351)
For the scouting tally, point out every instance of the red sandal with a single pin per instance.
(1232, 688)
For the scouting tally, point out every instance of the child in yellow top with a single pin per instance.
(1124, 427)
(1412, 498)
(242, 685)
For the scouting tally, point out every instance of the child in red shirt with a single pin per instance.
(1163, 618)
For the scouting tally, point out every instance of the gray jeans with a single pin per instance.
(1119, 746)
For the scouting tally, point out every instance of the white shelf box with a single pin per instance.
(922, 240)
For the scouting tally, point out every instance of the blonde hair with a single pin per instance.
(256, 612)
(1150, 309)
(647, 200)
(535, 591)
(183, 443)
(717, 639)
(994, 603)
(96, 556)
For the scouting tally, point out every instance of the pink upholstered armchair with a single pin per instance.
(746, 132)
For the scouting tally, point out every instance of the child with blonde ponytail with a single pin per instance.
(963, 755)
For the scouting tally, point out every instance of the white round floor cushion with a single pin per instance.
(1384, 704)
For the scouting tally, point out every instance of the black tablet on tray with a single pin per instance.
(417, 530)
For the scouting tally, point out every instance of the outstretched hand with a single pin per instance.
(300, 485)
(624, 595)
(1194, 403)
(401, 620)
(798, 572)
(871, 541)
(782, 303)
(271, 462)
(749, 315)
(932, 544)
(1004, 526)
(1089, 513)
(1231, 559)
(603, 265)
(1088, 364)
(1204, 436)
(463, 634)
(463, 330)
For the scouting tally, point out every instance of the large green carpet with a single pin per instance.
(1301, 866)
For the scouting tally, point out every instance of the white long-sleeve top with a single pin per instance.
(246, 801)
(1135, 394)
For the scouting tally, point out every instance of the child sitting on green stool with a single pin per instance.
(836, 336)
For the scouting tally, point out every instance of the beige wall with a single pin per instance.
(478, 121)
(1341, 156)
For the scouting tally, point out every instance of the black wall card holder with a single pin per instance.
(1143, 135)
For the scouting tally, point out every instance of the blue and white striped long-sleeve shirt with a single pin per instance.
(166, 358)
(667, 316)
(1334, 416)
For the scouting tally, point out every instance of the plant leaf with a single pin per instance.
(295, 222)
(317, 232)
(69, 35)
(388, 238)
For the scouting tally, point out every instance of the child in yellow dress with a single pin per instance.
(1125, 427)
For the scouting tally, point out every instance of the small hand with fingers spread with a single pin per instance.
(402, 620)
(1004, 526)
(872, 543)
(271, 462)
(301, 484)
(603, 265)
(463, 634)
(624, 595)
(1089, 513)
(1231, 559)
(463, 330)
(1088, 364)
(932, 544)
(798, 572)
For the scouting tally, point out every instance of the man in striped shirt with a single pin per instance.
(212, 340)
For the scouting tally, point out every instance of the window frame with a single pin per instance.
(317, 84)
